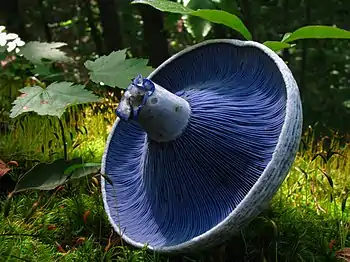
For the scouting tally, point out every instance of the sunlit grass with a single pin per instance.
(319, 182)
(68, 224)
(34, 137)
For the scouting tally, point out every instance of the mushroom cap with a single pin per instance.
(240, 142)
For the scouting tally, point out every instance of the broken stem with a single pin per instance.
(162, 114)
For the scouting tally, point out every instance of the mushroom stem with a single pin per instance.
(162, 114)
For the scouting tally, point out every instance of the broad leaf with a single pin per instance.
(317, 31)
(215, 16)
(41, 70)
(276, 45)
(224, 18)
(3, 55)
(82, 170)
(285, 36)
(36, 51)
(46, 176)
(196, 26)
(165, 6)
(116, 71)
(51, 101)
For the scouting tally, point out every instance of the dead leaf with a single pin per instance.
(109, 242)
(80, 240)
(331, 244)
(12, 163)
(2, 164)
(86, 215)
(4, 171)
(60, 248)
(51, 227)
(343, 254)
(59, 188)
(95, 181)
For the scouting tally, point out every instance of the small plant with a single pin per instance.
(55, 98)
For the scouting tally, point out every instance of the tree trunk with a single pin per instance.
(247, 17)
(10, 10)
(304, 47)
(91, 22)
(286, 53)
(43, 10)
(155, 39)
(220, 31)
(111, 26)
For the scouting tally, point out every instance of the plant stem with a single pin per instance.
(63, 140)
(19, 258)
(19, 234)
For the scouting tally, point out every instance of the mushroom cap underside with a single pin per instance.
(241, 138)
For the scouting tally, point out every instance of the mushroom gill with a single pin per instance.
(201, 144)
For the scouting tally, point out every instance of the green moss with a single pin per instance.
(308, 213)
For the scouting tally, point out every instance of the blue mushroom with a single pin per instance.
(201, 145)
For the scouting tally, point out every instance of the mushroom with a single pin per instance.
(200, 146)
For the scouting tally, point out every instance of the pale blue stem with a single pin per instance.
(162, 114)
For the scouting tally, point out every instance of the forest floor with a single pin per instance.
(308, 219)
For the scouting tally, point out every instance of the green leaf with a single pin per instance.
(285, 36)
(196, 26)
(41, 70)
(82, 170)
(46, 176)
(116, 71)
(347, 104)
(215, 16)
(51, 101)
(165, 6)
(2, 55)
(2, 49)
(276, 45)
(318, 32)
(36, 51)
(227, 19)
